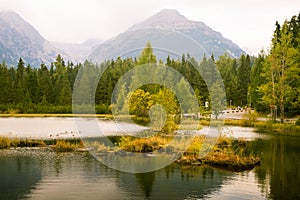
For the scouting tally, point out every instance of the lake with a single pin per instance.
(60, 127)
(44, 174)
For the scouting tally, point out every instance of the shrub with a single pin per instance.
(4, 142)
(65, 146)
(298, 122)
(142, 144)
(250, 118)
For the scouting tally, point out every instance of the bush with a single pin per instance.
(170, 126)
(65, 146)
(4, 142)
(298, 122)
(250, 118)
(143, 145)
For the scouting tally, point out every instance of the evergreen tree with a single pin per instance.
(147, 56)
(257, 80)
(243, 75)
(280, 71)
(19, 83)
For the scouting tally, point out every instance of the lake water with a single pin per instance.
(43, 174)
(58, 127)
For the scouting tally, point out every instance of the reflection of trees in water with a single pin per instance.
(19, 173)
(146, 181)
(76, 173)
(57, 163)
(279, 174)
(174, 182)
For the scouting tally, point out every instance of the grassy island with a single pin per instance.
(227, 153)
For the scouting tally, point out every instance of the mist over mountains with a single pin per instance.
(169, 32)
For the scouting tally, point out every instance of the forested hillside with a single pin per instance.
(268, 83)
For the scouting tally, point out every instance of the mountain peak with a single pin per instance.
(163, 19)
(19, 39)
(170, 15)
(168, 30)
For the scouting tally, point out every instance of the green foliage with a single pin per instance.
(217, 99)
(147, 56)
(243, 79)
(281, 73)
(269, 81)
(250, 118)
(257, 80)
(228, 69)
(140, 103)
(298, 122)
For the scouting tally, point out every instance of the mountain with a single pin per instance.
(170, 33)
(78, 51)
(18, 39)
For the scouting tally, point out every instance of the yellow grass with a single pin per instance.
(65, 146)
(109, 116)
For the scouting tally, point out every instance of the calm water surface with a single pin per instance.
(43, 174)
(61, 127)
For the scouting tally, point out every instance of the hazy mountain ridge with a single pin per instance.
(19, 39)
(168, 30)
(78, 52)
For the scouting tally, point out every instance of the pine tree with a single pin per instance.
(243, 75)
(147, 56)
(256, 81)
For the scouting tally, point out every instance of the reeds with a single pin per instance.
(66, 146)
(6, 142)
(142, 145)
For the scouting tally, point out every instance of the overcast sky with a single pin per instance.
(248, 23)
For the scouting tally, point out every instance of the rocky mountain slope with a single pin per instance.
(18, 39)
(170, 34)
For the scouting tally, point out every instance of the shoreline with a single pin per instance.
(104, 116)
(220, 157)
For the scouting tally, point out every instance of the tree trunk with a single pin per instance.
(281, 111)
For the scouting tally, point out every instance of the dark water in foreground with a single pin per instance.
(36, 174)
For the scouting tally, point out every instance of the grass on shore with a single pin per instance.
(223, 155)
(261, 126)
(67, 145)
(57, 145)
(107, 116)
(268, 126)
(6, 142)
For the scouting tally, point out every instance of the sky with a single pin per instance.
(248, 23)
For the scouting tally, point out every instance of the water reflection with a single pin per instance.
(146, 181)
(279, 175)
(49, 175)
(18, 175)
(36, 174)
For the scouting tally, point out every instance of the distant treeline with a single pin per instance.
(49, 89)
(268, 83)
